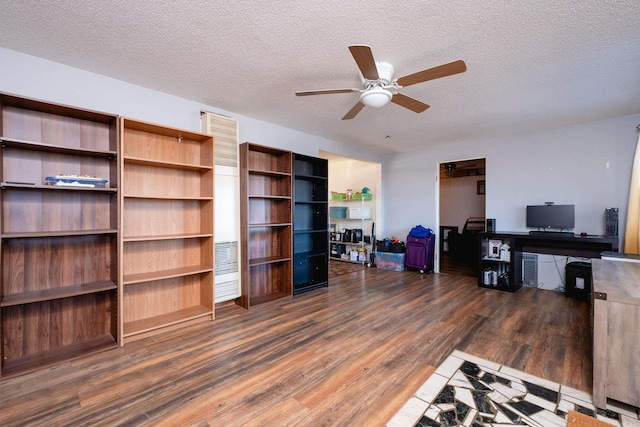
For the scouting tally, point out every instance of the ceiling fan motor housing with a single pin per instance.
(376, 95)
(385, 74)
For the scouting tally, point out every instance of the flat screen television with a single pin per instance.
(551, 217)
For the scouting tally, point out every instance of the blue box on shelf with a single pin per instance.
(338, 212)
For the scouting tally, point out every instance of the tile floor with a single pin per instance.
(469, 391)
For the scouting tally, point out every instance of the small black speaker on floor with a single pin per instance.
(611, 222)
(491, 225)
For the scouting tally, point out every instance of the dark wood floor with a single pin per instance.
(351, 354)
(450, 263)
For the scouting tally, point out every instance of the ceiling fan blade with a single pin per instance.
(325, 91)
(445, 70)
(410, 103)
(354, 111)
(364, 58)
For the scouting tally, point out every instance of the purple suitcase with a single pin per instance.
(419, 253)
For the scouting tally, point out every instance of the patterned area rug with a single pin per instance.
(469, 391)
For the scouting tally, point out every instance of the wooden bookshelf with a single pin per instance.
(265, 224)
(167, 228)
(59, 244)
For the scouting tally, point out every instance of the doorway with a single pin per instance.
(462, 214)
(355, 215)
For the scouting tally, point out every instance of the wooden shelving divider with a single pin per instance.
(167, 228)
(265, 224)
(59, 244)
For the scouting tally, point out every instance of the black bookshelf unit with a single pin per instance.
(310, 223)
(497, 263)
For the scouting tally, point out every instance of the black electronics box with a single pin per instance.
(578, 280)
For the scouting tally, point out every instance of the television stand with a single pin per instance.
(550, 233)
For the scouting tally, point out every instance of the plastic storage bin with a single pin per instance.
(390, 261)
(359, 213)
(362, 196)
(338, 212)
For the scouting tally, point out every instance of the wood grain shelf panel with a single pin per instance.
(165, 164)
(7, 186)
(19, 102)
(38, 146)
(57, 293)
(166, 237)
(168, 198)
(272, 173)
(63, 233)
(164, 320)
(160, 130)
(268, 260)
(131, 279)
(147, 217)
(38, 360)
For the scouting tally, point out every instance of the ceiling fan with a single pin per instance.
(377, 81)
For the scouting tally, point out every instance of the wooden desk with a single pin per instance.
(540, 243)
(616, 332)
(566, 245)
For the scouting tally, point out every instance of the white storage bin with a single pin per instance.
(359, 213)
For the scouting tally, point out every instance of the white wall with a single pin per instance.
(459, 200)
(37, 78)
(347, 173)
(588, 165)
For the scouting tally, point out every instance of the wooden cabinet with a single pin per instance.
(167, 227)
(265, 224)
(310, 223)
(616, 336)
(58, 294)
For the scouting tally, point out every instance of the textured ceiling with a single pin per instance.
(530, 64)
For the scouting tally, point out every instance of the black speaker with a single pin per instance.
(491, 225)
(611, 222)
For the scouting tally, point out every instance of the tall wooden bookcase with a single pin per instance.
(310, 223)
(265, 224)
(167, 228)
(58, 243)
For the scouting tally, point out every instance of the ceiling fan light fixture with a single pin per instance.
(376, 97)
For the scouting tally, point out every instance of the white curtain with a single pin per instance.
(632, 232)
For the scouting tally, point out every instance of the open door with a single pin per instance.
(462, 214)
